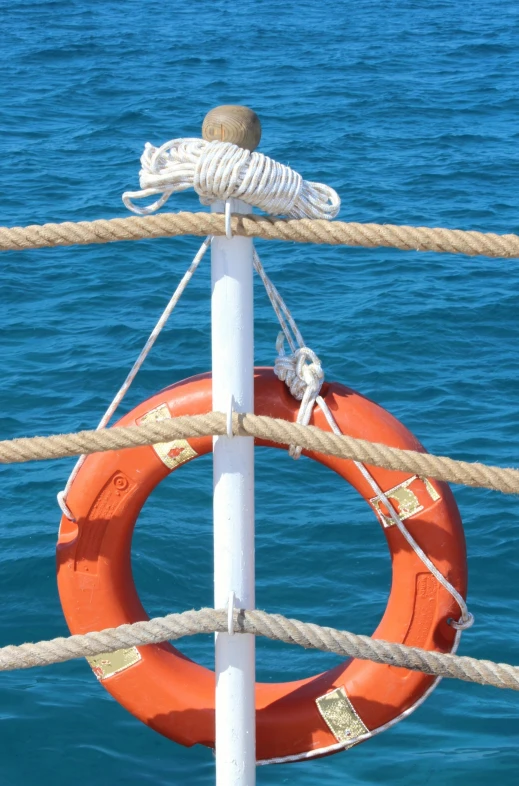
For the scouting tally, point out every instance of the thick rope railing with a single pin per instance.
(259, 623)
(270, 430)
(304, 230)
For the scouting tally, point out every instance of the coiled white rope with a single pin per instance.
(221, 171)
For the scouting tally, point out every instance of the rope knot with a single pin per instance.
(219, 171)
(303, 374)
(465, 622)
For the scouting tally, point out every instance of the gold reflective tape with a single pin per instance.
(110, 663)
(172, 454)
(406, 500)
(340, 715)
(432, 491)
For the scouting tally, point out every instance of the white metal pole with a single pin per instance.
(233, 379)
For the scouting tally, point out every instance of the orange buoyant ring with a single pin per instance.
(175, 696)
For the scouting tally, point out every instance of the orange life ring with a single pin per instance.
(175, 696)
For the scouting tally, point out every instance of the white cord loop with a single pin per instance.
(221, 171)
(303, 374)
(61, 497)
(465, 622)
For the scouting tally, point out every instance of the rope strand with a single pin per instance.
(304, 230)
(274, 430)
(259, 623)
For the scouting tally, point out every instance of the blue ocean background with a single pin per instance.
(410, 110)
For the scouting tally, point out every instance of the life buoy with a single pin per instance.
(175, 696)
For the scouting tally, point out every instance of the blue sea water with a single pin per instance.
(410, 110)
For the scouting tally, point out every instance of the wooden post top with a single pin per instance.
(233, 123)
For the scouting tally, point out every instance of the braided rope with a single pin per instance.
(304, 230)
(259, 623)
(280, 432)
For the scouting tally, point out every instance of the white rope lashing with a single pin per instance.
(222, 171)
(177, 294)
(302, 373)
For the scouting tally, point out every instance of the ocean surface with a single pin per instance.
(410, 110)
